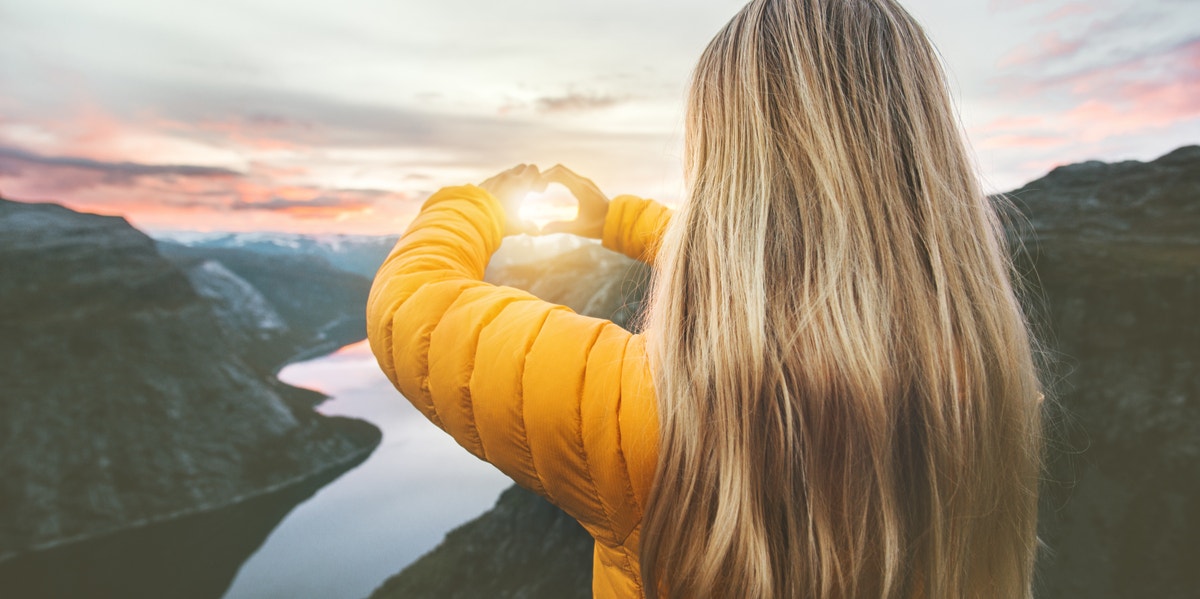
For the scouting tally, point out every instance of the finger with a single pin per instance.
(561, 174)
(581, 187)
(530, 180)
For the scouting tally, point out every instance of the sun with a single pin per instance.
(554, 204)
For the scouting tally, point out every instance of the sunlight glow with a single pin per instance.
(554, 204)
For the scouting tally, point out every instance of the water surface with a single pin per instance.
(381, 516)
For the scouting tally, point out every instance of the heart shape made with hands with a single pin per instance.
(554, 204)
(550, 209)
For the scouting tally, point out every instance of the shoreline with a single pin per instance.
(353, 459)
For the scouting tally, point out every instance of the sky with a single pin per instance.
(321, 116)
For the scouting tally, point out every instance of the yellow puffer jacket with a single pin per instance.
(561, 402)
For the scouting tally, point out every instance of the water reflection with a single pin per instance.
(194, 557)
(383, 515)
(345, 540)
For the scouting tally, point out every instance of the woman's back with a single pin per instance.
(833, 393)
(845, 376)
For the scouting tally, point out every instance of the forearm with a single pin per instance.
(634, 226)
(443, 252)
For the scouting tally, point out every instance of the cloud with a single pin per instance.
(1025, 141)
(13, 159)
(1127, 94)
(1049, 46)
(1124, 77)
(314, 202)
(1071, 9)
(171, 192)
(576, 102)
(1007, 5)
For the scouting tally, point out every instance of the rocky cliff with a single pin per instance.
(280, 307)
(1114, 253)
(523, 548)
(1111, 257)
(131, 391)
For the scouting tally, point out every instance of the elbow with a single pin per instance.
(379, 326)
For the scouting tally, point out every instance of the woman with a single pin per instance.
(834, 391)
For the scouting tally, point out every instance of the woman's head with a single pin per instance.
(846, 381)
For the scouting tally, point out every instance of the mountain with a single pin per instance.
(282, 307)
(1154, 202)
(1110, 257)
(523, 547)
(140, 390)
(1114, 256)
(359, 254)
(613, 287)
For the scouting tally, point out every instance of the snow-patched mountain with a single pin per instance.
(362, 254)
(359, 254)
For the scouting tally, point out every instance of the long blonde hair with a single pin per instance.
(846, 378)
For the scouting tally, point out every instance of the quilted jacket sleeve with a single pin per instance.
(634, 226)
(559, 401)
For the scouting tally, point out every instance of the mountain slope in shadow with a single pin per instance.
(129, 398)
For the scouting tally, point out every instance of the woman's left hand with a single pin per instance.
(510, 187)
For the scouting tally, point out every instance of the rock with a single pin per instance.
(1154, 201)
(521, 549)
(1120, 507)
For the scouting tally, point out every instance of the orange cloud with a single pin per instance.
(184, 196)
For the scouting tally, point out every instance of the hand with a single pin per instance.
(510, 187)
(593, 204)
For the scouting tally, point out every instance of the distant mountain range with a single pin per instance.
(359, 254)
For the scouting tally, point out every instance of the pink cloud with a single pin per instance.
(255, 132)
(186, 197)
(1124, 80)
(1025, 141)
(1072, 9)
(1084, 113)
(1005, 125)
(1138, 106)
(1048, 47)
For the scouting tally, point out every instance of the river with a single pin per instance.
(381, 516)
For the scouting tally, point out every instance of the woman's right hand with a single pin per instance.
(593, 204)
